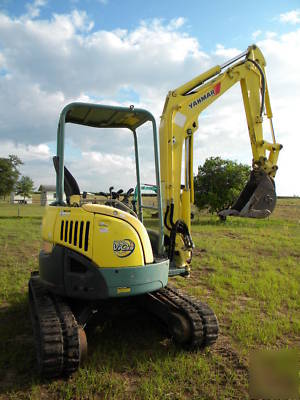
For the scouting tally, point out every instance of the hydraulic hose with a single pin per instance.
(166, 217)
(172, 215)
(179, 227)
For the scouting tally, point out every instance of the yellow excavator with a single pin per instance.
(97, 258)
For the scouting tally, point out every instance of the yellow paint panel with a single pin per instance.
(133, 221)
(73, 229)
(116, 243)
(114, 240)
(49, 223)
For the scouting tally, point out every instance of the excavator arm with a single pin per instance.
(179, 122)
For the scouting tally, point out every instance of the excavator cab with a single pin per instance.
(100, 251)
(104, 116)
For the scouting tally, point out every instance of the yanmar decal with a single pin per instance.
(215, 90)
(123, 248)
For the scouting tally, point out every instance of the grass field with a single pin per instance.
(246, 270)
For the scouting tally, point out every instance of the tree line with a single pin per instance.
(217, 183)
(10, 180)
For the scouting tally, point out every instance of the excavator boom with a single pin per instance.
(179, 122)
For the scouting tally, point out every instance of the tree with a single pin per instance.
(219, 183)
(9, 174)
(25, 186)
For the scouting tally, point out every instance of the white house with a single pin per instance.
(19, 199)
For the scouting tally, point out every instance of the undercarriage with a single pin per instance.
(60, 324)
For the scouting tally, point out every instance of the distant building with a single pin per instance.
(48, 194)
(19, 199)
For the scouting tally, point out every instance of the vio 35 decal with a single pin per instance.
(123, 248)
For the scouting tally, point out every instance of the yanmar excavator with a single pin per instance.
(99, 257)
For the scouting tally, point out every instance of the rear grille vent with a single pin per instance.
(75, 233)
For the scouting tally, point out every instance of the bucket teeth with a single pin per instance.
(257, 200)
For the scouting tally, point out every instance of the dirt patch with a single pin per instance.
(132, 381)
(231, 366)
(242, 301)
(199, 252)
(225, 349)
(264, 252)
(207, 270)
(233, 235)
(4, 306)
(197, 275)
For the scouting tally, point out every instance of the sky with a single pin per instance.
(133, 52)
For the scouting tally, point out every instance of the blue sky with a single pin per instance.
(231, 21)
(124, 52)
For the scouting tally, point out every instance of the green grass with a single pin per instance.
(21, 210)
(246, 270)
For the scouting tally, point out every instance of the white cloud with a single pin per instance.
(257, 33)
(270, 34)
(290, 17)
(81, 21)
(25, 152)
(2, 61)
(176, 23)
(34, 8)
(52, 62)
(37, 160)
(221, 51)
(104, 170)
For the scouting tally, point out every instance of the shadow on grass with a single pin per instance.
(118, 345)
(16, 347)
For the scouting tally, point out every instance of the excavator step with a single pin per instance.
(177, 271)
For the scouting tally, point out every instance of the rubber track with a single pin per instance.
(203, 319)
(208, 317)
(71, 354)
(56, 332)
(47, 330)
(165, 295)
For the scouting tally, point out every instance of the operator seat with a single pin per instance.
(70, 184)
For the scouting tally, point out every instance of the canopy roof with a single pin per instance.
(47, 188)
(103, 116)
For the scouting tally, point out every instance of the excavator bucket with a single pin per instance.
(257, 200)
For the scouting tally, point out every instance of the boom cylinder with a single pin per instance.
(198, 80)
